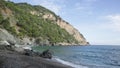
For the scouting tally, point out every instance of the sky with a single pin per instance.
(97, 20)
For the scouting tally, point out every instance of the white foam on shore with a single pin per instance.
(69, 64)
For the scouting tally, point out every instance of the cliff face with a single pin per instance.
(68, 27)
(24, 23)
(71, 30)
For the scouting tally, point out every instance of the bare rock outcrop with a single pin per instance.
(71, 30)
(49, 16)
(4, 35)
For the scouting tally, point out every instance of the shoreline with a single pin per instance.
(9, 59)
(69, 63)
(20, 55)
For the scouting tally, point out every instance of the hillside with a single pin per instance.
(22, 23)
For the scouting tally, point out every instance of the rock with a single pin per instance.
(19, 50)
(49, 16)
(46, 54)
(5, 35)
(27, 41)
(28, 52)
(4, 43)
(27, 48)
(72, 31)
(31, 53)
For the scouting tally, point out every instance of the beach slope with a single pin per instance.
(10, 59)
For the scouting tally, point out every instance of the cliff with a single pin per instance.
(22, 23)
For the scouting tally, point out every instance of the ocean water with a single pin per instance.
(104, 56)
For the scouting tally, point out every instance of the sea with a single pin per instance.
(91, 56)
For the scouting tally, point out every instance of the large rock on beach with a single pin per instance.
(46, 54)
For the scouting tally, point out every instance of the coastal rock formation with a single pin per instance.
(8, 37)
(25, 24)
(46, 54)
(71, 30)
(4, 35)
(4, 43)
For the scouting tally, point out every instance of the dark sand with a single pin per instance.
(10, 59)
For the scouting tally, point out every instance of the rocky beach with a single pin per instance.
(9, 58)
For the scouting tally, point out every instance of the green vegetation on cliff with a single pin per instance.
(32, 25)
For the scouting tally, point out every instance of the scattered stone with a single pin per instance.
(31, 53)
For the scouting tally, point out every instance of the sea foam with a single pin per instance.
(68, 63)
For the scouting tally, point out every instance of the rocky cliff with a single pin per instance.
(23, 23)
(71, 30)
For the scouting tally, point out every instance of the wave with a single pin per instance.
(68, 63)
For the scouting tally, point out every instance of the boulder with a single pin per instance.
(29, 52)
(46, 54)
